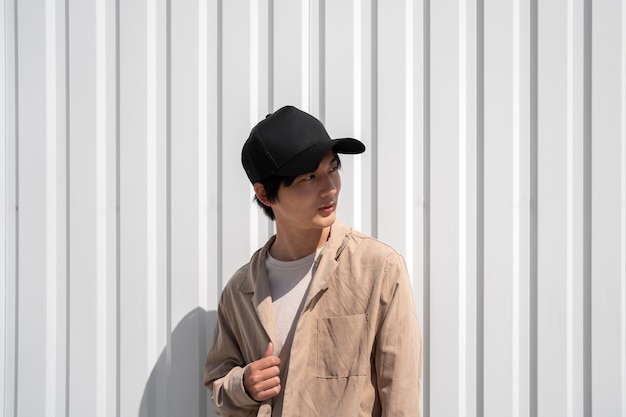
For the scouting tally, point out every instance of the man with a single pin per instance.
(321, 321)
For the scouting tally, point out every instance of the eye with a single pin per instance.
(309, 177)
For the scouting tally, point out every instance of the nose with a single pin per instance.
(331, 185)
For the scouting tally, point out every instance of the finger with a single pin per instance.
(261, 388)
(266, 384)
(270, 350)
(263, 369)
(268, 393)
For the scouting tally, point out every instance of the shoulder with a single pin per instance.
(363, 245)
(365, 239)
(367, 257)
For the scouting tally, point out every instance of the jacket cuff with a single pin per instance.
(236, 390)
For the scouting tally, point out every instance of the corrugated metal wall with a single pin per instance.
(496, 163)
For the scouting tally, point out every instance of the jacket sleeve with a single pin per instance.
(223, 373)
(398, 355)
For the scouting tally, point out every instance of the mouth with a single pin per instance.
(327, 208)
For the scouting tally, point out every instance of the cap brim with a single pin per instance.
(348, 145)
(310, 158)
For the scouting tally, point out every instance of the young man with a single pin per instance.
(321, 321)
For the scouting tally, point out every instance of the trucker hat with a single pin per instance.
(288, 143)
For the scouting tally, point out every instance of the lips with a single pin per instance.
(328, 207)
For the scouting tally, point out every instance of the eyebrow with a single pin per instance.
(335, 159)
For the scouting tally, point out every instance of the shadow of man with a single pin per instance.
(175, 386)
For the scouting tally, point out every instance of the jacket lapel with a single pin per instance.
(327, 260)
(257, 285)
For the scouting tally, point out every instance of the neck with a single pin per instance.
(292, 245)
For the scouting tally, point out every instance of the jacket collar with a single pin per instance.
(327, 260)
(256, 282)
(257, 285)
(256, 276)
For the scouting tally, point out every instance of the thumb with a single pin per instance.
(270, 350)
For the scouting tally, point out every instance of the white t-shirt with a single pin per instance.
(288, 282)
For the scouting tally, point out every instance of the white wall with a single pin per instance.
(496, 163)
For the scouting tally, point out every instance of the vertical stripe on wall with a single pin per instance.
(3, 199)
(623, 212)
(495, 163)
(8, 198)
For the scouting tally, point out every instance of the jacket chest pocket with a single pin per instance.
(342, 349)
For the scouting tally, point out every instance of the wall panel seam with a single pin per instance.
(426, 238)
(270, 60)
(515, 394)
(17, 211)
(253, 114)
(101, 217)
(480, 209)
(587, 208)
(50, 209)
(623, 209)
(374, 118)
(357, 212)
(67, 207)
(219, 139)
(533, 232)
(168, 205)
(570, 238)
(410, 136)
(322, 61)
(118, 245)
(462, 210)
(203, 156)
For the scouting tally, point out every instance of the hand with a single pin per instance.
(261, 378)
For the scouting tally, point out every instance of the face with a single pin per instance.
(311, 201)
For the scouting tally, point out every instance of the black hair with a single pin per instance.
(272, 184)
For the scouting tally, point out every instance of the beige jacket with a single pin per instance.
(357, 346)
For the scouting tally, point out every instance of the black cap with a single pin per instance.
(288, 143)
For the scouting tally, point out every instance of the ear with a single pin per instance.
(259, 190)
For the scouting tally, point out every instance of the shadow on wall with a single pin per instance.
(177, 390)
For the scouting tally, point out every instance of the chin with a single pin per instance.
(328, 220)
